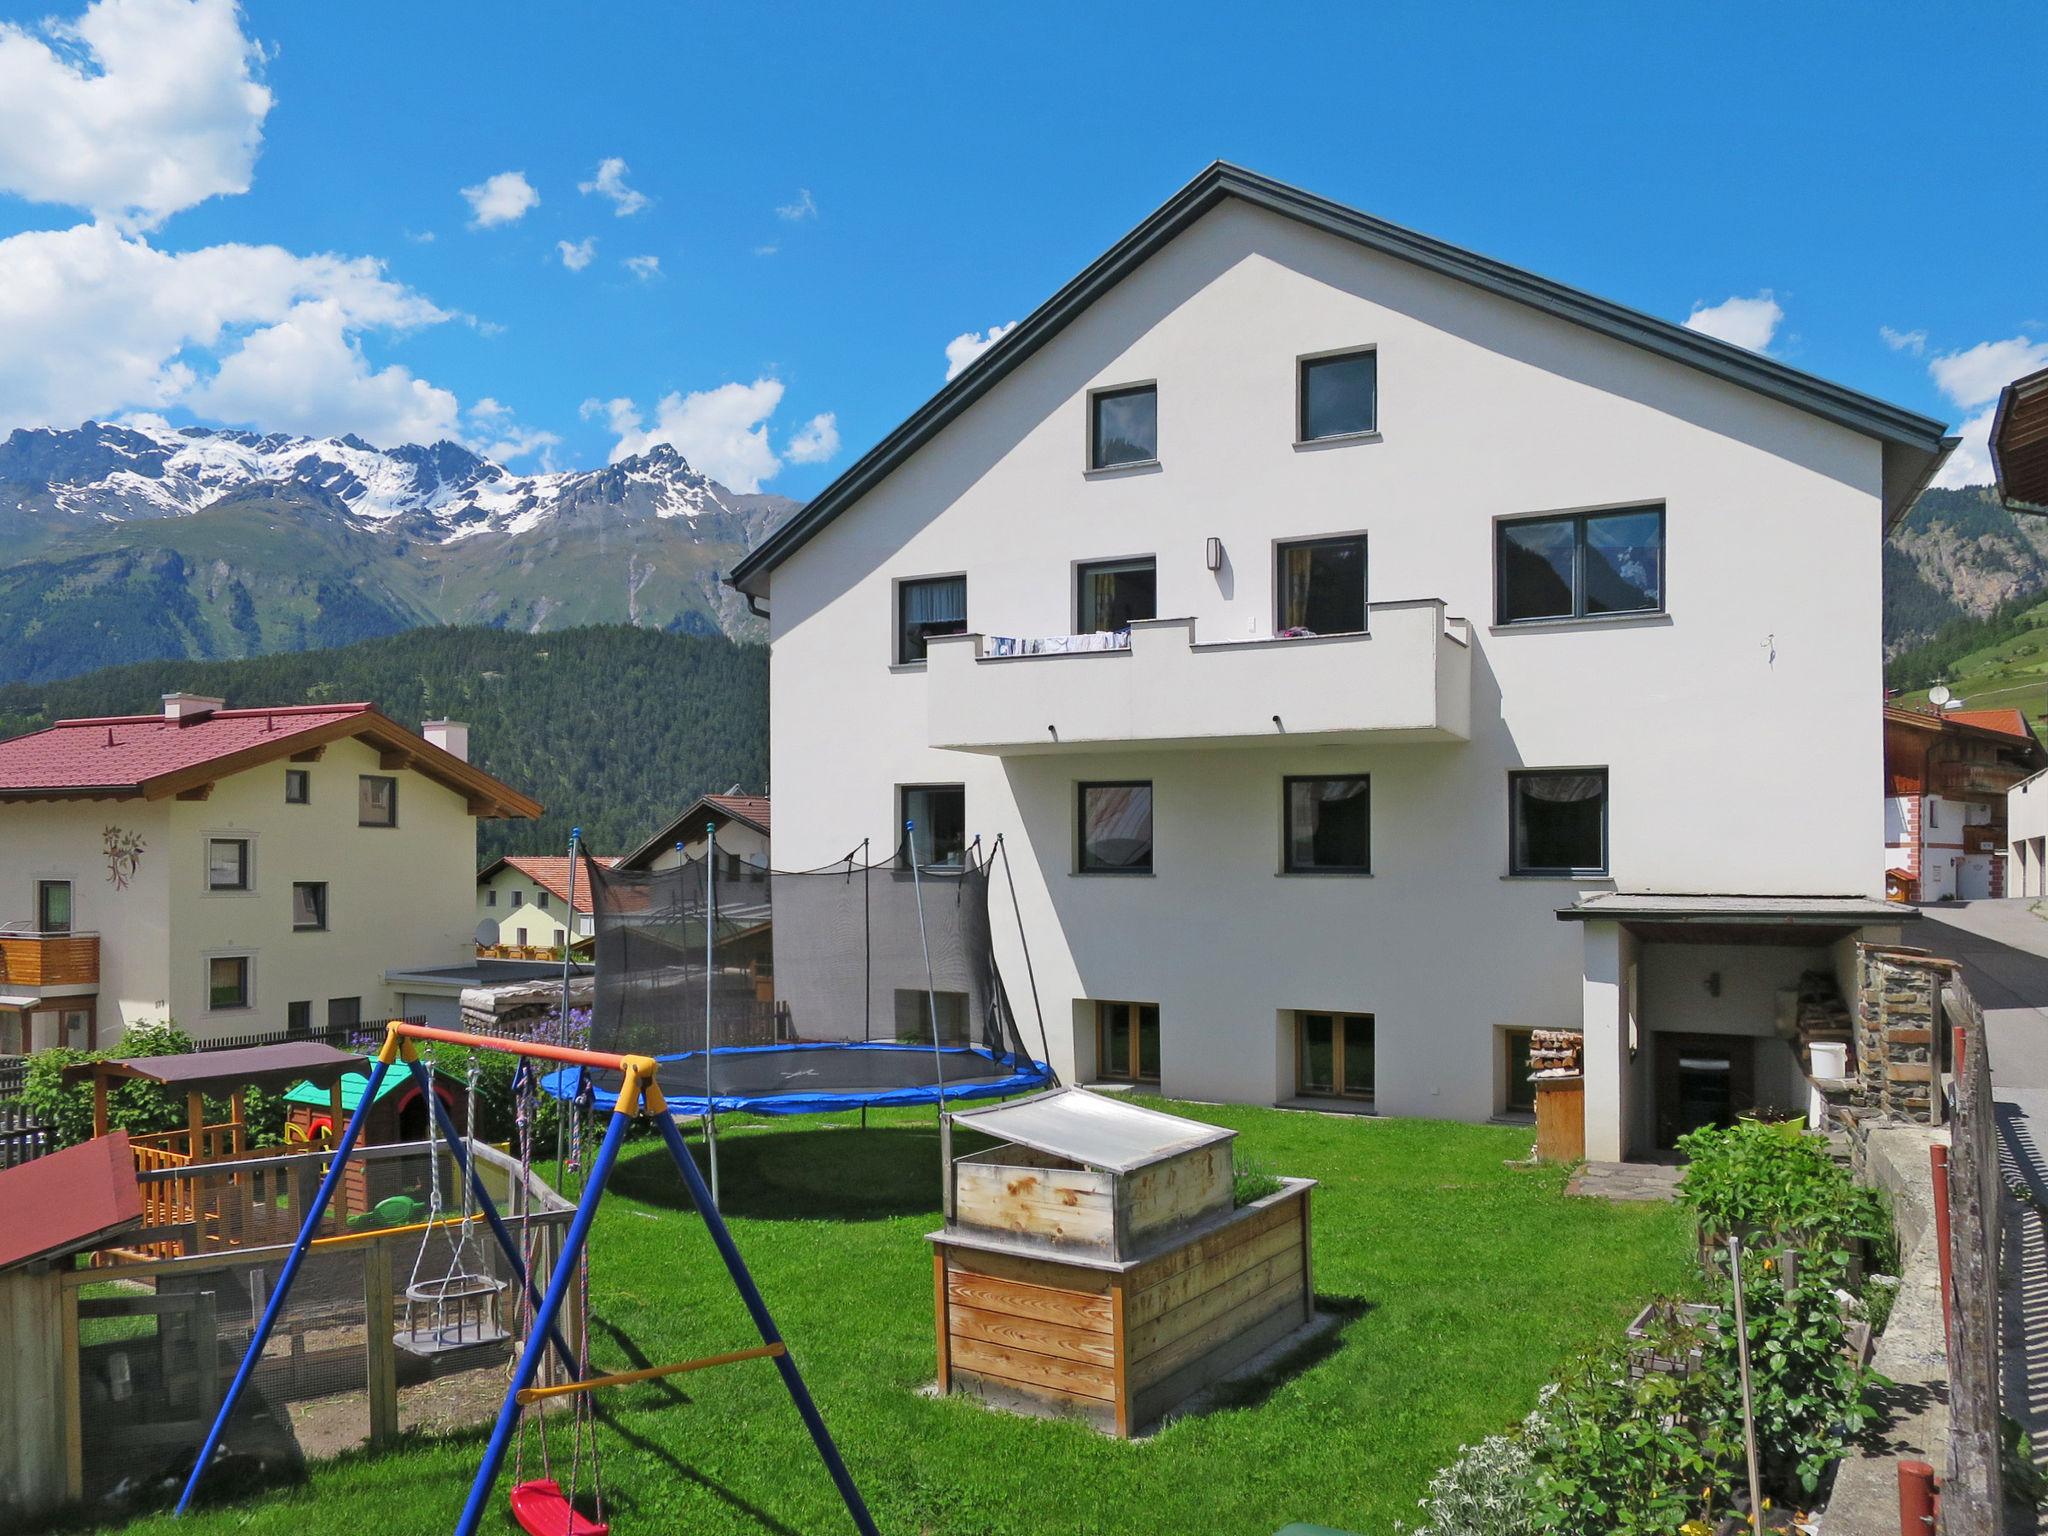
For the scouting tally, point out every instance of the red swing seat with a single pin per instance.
(542, 1509)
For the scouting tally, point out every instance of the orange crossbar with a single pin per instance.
(566, 1053)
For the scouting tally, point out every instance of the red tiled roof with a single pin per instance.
(126, 752)
(753, 808)
(68, 1201)
(2009, 721)
(550, 872)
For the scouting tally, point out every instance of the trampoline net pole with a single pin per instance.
(931, 988)
(710, 991)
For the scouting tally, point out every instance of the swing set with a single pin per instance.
(439, 1309)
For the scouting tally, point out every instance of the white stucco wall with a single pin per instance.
(2026, 817)
(542, 925)
(1769, 655)
(733, 837)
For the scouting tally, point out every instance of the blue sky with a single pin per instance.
(832, 195)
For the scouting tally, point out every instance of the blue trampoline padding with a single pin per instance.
(819, 1076)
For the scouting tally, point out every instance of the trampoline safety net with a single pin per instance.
(812, 991)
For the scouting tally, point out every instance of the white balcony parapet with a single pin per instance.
(1407, 678)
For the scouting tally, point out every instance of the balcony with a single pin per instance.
(1409, 679)
(1978, 778)
(66, 962)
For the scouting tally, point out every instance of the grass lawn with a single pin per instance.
(1465, 1284)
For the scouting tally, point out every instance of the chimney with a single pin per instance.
(187, 708)
(451, 736)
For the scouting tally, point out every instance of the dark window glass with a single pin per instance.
(926, 608)
(298, 1019)
(376, 801)
(1559, 822)
(309, 904)
(227, 864)
(1112, 593)
(939, 815)
(53, 906)
(297, 786)
(227, 981)
(1521, 1094)
(490, 898)
(914, 1014)
(1329, 824)
(1125, 427)
(1335, 1055)
(1127, 1042)
(1339, 395)
(540, 899)
(1322, 587)
(1116, 828)
(1579, 566)
(344, 1012)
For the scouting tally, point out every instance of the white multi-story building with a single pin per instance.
(231, 871)
(1369, 653)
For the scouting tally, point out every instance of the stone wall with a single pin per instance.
(1898, 1003)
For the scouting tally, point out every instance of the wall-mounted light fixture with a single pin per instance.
(1215, 554)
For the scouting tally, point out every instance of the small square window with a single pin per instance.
(1322, 587)
(1123, 427)
(933, 606)
(376, 801)
(298, 1020)
(1329, 825)
(490, 898)
(227, 864)
(1116, 829)
(1558, 822)
(298, 786)
(309, 906)
(344, 1013)
(938, 814)
(518, 899)
(915, 1013)
(227, 982)
(540, 899)
(1127, 1042)
(1340, 396)
(1110, 594)
(1336, 1055)
(1584, 565)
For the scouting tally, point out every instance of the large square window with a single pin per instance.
(1110, 594)
(227, 982)
(1340, 396)
(1335, 1055)
(1558, 822)
(1123, 426)
(1322, 587)
(227, 864)
(933, 606)
(1116, 829)
(309, 906)
(938, 817)
(1127, 1042)
(1329, 825)
(376, 801)
(1581, 566)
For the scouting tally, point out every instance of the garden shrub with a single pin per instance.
(1775, 1182)
(1488, 1491)
(138, 1108)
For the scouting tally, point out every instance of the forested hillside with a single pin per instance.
(610, 727)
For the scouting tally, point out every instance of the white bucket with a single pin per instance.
(1830, 1059)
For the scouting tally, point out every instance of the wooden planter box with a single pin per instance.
(1095, 1266)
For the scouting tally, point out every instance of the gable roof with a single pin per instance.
(155, 757)
(549, 871)
(2009, 722)
(2006, 727)
(1922, 441)
(748, 810)
(2019, 443)
(69, 1201)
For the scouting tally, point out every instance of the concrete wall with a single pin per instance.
(2026, 816)
(1487, 410)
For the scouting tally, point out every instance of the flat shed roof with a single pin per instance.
(260, 1066)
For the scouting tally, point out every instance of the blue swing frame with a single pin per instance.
(639, 1098)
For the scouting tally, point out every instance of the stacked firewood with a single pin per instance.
(1555, 1050)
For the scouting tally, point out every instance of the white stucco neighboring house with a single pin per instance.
(1369, 653)
(2026, 820)
(742, 824)
(232, 871)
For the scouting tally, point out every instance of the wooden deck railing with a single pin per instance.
(50, 959)
(174, 1149)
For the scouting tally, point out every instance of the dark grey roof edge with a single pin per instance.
(1804, 391)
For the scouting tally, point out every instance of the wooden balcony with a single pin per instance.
(29, 960)
(1988, 779)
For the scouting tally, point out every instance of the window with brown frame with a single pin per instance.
(1334, 1055)
(1127, 1042)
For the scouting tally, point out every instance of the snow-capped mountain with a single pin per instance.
(443, 490)
(140, 542)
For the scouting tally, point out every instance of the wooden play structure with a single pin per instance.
(1095, 1265)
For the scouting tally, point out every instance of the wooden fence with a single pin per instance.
(1972, 1495)
(23, 1138)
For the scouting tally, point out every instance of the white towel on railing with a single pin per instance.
(1056, 645)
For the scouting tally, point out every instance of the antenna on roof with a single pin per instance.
(110, 735)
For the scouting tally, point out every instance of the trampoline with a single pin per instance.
(818, 1076)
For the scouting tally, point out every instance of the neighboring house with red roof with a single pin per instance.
(230, 870)
(743, 833)
(1947, 776)
(528, 897)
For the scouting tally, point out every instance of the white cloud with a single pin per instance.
(646, 268)
(805, 207)
(576, 255)
(495, 435)
(1972, 378)
(610, 182)
(968, 345)
(500, 199)
(1747, 323)
(723, 432)
(816, 441)
(135, 110)
(766, 250)
(1914, 342)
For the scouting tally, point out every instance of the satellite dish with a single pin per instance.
(487, 933)
(1939, 695)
